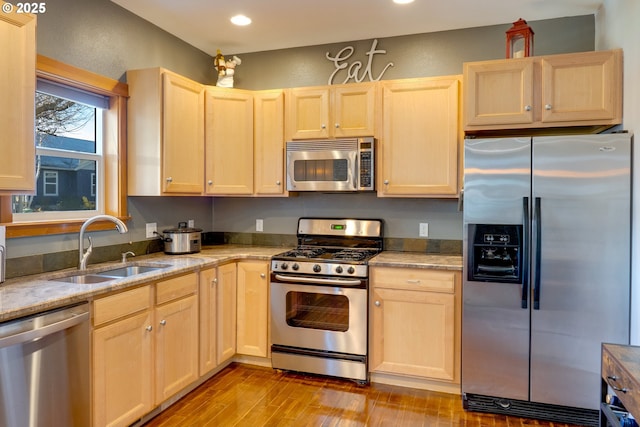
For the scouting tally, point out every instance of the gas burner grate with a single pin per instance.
(350, 255)
(305, 252)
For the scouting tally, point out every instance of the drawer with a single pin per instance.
(121, 305)
(178, 287)
(414, 279)
(623, 384)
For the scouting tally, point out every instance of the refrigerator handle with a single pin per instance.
(536, 282)
(525, 255)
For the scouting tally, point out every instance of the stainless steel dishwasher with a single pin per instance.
(44, 369)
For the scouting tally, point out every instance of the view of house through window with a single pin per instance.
(68, 156)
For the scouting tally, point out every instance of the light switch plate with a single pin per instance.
(259, 225)
(424, 229)
(191, 223)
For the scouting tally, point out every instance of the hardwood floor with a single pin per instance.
(250, 396)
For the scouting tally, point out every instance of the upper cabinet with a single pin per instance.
(165, 133)
(420, 134)
(229, 141)
(577, 89)
(18, 87)
(336, 111)
(268, 143)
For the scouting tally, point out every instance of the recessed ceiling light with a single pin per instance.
(241, 20)
(402, 1)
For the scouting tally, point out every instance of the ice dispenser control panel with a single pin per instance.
(495, 253)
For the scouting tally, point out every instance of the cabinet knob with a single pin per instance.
(527, 108)
(149, 328)
(262, 275)
(163, 322)
(215, 280)
(337, 125)
(386, 182)
(323, 126)
(377, 303)
(169, 179)
(277, 182)
(547, 107)
(210, 182)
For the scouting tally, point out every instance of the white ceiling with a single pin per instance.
(279, 24)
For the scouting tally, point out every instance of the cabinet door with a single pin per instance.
(308, 113)
(499, 92)
(17, 86)
(268, 130)
(176, 346)
(413, 333)
(420, 137)
(353, 108)
(226, 312)
(253, 308)
(582, 87)
(229, 141)
(182, 135)
(207, 290)
(122, 371)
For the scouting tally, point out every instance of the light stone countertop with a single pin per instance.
(33, 294)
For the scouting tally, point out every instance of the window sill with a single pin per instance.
(31, 229)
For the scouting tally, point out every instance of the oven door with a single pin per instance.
(319, 317)
(322, 170)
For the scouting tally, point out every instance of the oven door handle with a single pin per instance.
(319, 281)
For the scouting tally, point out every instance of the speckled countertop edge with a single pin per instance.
(29, 295)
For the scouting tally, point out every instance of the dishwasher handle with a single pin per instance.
(74, 317)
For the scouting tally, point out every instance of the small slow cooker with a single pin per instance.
(181, 240)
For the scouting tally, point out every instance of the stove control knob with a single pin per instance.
(339, 269)
(295, 266)
(351, 270)
(317, 268)
(284, 266)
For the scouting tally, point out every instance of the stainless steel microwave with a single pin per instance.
(331, 165)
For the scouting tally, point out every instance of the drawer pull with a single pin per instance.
(413, 281)
(615, 388)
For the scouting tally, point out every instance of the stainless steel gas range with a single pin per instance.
(319, 298)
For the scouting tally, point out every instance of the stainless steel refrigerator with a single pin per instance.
(546, 247)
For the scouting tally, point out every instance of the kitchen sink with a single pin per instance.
(83, 279)
(113, 274)
(131, 270)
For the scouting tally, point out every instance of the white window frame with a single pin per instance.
(45, 183)
(100, 178)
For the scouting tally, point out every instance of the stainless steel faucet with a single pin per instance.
(83, 257)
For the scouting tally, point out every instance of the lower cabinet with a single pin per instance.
(226, 313)
(415, 323)
(143, 337)
(253, 308)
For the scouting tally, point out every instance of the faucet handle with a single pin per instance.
(124, 255)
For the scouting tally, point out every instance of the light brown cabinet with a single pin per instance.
(415, 323)
(336, 111)
(420, 135)
(577, 89)
(253, 308)
(145, 348)
(268, 143)
(165, 128)
(17, 86)
(228, 141)
(208, 296)
(226, 313)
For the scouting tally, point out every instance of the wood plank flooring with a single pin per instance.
(250, 396)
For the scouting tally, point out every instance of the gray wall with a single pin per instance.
(102, 37)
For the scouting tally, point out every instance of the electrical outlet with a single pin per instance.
(191, 223)
(151, 229)
(424, 229)
(259, 225)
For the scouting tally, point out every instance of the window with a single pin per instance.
(68, 129)
(50, 183)
(81, 168)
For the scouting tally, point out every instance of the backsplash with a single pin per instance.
(37, 264)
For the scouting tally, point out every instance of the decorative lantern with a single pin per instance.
(519, 40)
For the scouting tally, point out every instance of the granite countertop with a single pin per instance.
(28, 295)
